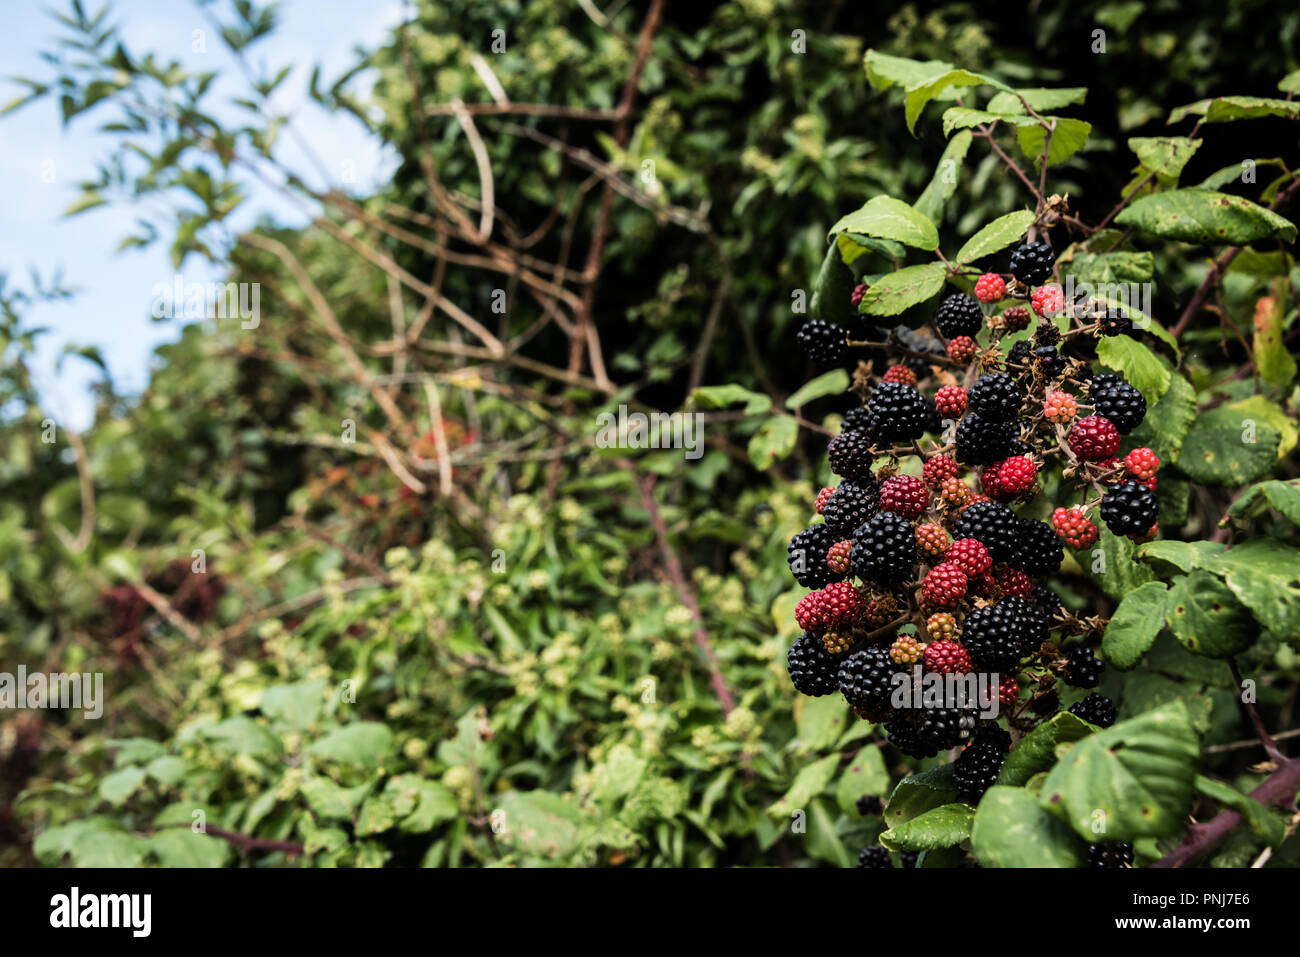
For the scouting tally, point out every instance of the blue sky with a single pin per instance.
(112, 309)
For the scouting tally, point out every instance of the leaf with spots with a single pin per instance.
(1037, 751)
(899, 291)
(889, 218)
(1207, 618)
(1227, 447)
(1264, 574)
(1011, 829)
(942, 826)
(916, 794)
(1281, 494)
(1204, 216)
(1134, 626)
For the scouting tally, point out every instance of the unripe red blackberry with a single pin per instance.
(823, 497)
(942, 625)
(880, 611)
(901, 374)
(1016, 476)
(1060, 407)
(906, 650)
(931, 540)
(904, 495)
(970, 556)
(947, 658)
(1142, 464)
(961, 349)
(1094, 438)
(809, 614)
(1016, 318)
(937, 469)
(837, 556)
(841, 604)
(859, 290)
(990, 287)
(1008, 692)
(944, 586)
(1047, 300)
(950, 401)
(1013, 581)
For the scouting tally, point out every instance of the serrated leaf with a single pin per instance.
(1218, 448)
(363, 744)
(1265, 411)
(1206, 617)
(1142, 367)
(1281, 494)
(942, 826)
(944, 182)
(1040, 99)
(899, 291)
(1264, 574)
(1224, 109)
(999, 234)
(884, 71)
(964, 117)
(1134, 626)
(834, 382)
(117, 787)
(820, 721)
(1068, 137)
(1265, 822)
(773, 441)
(889, 218)
(922, 93)
(1165, 156)
(833, 288)
(1012, 830)
(1198, 215)
(1036, 751)
(1184, 556)
(1119, 574)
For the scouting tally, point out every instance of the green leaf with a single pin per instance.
(1037, 751)
(1218, 448)
(1163, 155)
(1282, 494)
(243, 735)
(884, 71)
(1184, 556)
(540, 822)
(865, 774)
(1204, 216)
(833, 288)
(773, 441)
(922, 93)
(331, 802)
(181, 847)
(1207, 618)
(365, 744)
(999, 234)
(821, 840)
(1265, 822)
(1140, 365)
(721, 396)
(1290, 83)
(916, 794)
(1134, 626)
(938, 827)
(1112, 267)
(1039, 99)
(964, 117)
(1167, 421)
(1259, 409)
(95, 842)
(899, 291)
(134, 750)
(889, 218)
(1068, 138)
(86, 201)
(834, 382)
(1276, 365)
(296, 705)
(944, 182)
(1119, 574)
(821, 721)
(1224, 109)
(167, 769)
(1134, 779)
(1012, 830)
(811, 781)
(1264, 574)
(117, 787)
(422, 804)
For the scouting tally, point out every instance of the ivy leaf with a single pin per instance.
(1134, 626)
(999, 234)
(1218, 448)
(1036, 751)
(773, 441)
(889, 218)
(1068, 138)
(1011, 829)
(1264, 574)
(899, 291)
(1134, 779)
(1198, 215)
(1207, 618)
(942, 826)
(1140, 365)
(829, 383)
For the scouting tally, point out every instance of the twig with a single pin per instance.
(1270, 747)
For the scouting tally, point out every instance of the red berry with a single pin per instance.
(947, 658)
(1008, 692)
(954, 491)
(901, 374)
(1074, 527)
(856, 296)
(990, 287)
(937, 470)
(841, 604)
(931, 540)
(1016, 318)
(989, 483)
(837, 557)
(823, 497)
(1014, 582)
(1047, 300)
(808, 613)
(950, 401)
(1142, 463)
(905, 495)
(1016, 476)
(1094, 438)
(944, 586)
(1060, 407)
(970, 555)
(961, 349)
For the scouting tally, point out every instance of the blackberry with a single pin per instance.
(897, 412)
(917, 342)
(995, 635)
(943, 728)
(870, 804)
(806, 556)
(1110, 854)
(908, 858)
(855, 420)
(995, 397)
(981, 441)
(933, 420)
(865, 678)
(1129, 508)
(1082, 668)
(902, 735)
(1034, 623)
(958, 315)
(1117, 325)
(977, 768)
(1050, 362)
(1039, 552)
(1046, 704)
(1048, 602)
(993, 525)
(1095, 709)
(852, 503)
(1047, 334)
(850, 455)
(823, 342)
(874, 856)
(993, 733)
(1032, 263)
(1118, 401)
(812, 668)
(884, 549)
(1021, 353)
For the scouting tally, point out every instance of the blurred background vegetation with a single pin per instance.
(471, 609)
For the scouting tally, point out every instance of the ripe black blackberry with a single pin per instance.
(1118, 401)
(1116, 325)
(933, 420)
(942, 728)
(870, 804)
(864, 678)
(1034, 623)
(977, 768)
(853, 503)
(1129, 508)
(995, 397)
(902, 732)
(1110, 854)
(1082, 668)
(990, 732)
(884, 549)
(1021, 353)
(896, 412)
(822, 341)
(1048, 361)
(1038, 552)
(806, 556)
(855, 420)
(908, 858)
(813, 670)
(958, 315)
(991, 523)
(850, 455)
(1095, 709)
(1032, 263)
(995, 636)
(1048, 602)
(874, 856)
(981, 441)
